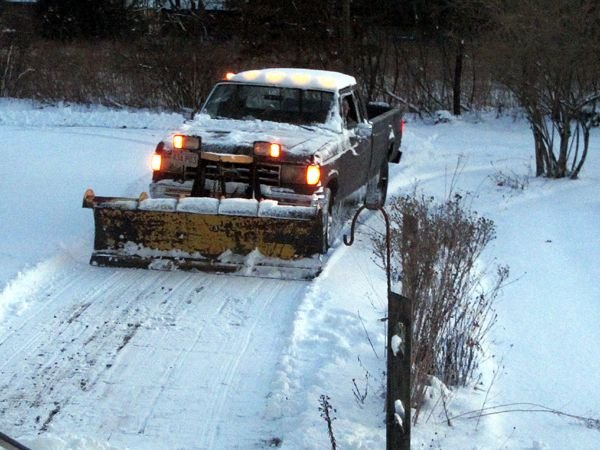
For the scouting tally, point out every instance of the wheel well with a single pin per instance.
(333, 187)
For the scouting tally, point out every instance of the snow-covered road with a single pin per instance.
(145, 359)
(140, 359)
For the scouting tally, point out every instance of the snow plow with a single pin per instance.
(259, 182)
(216, 235)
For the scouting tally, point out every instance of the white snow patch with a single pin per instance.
(70, 441)
(399, 408)
(270, 208)
(238, 207)
(396, 344)
(199, 205)
(15, 298)
(120, 204)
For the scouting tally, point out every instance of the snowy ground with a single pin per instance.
(114, 358)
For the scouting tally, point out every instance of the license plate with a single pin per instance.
(191, 159)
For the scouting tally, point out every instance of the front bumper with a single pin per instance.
(176, 189)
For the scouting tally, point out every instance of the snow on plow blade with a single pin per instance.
(231, 235)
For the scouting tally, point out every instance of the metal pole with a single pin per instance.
(399, 345)
(6, 442)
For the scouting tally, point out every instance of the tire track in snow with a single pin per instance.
(242, 310)
(167, 374)
(58, 353)
(132, 355)
(51, 343)
(242, 344)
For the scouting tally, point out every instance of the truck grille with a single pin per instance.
(268, 174)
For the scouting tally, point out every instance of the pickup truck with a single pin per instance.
(296, 136)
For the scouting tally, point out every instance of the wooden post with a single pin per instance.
(398, 417)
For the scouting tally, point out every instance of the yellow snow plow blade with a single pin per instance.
(229, 235)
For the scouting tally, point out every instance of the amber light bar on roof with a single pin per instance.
(277, 76)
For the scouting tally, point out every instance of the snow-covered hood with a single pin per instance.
(299, 143)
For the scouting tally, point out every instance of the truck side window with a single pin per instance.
(360, 106)
(349, 111)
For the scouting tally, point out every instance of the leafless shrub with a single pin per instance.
(181, 79)
(82, 72)
(436, 248)
(152, 74)
(510, 180)
(176, 72)
(418, 73)
(13, 68)
(6, 69)
(592, 423)
(360, 395)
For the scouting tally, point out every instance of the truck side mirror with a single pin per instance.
(364, 129)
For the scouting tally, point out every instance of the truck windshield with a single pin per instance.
(276, 104)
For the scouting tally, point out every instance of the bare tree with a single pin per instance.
(549, 57)
(436, 64)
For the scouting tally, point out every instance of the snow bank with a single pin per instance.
(14, 298)
(30, 113)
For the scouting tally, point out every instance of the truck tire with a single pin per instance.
(377, 188)
(331, 220)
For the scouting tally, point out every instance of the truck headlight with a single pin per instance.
(156, 162)
(307, 175)
(313, 175)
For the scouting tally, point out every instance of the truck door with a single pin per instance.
(354, 164)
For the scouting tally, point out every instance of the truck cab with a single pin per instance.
(288, 135)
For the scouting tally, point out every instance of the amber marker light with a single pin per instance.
(275, 76)
(178, 141)
(301, 79)
(156, 162)
(251, 75)
(327, 82)
(313, 174)
(229, 76)
(271, 149)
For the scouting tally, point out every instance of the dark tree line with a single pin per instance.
(68, 19)
(293, 21)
